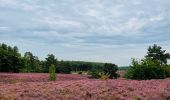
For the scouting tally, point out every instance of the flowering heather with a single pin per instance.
(79, 87)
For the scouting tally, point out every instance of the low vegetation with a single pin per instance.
(30, 78)
(153, 66)
(52, 73)
(108, 70)
(35, 86)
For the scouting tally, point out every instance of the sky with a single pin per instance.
(112, 31)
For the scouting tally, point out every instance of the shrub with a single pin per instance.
(63, 69)
(110, 69)
(167, 71)
(80, 72)
(146, 69)
(52, 70)
(94, 74)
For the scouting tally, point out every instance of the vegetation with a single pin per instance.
(108, 70)
(123, 67)
(156, 53)
(146, 69)
(153, 66)
(52, 73)
(12, 61)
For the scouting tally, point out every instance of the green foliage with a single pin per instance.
(110, 69)
(124, 68)
(52, 73)
(167, 70)
(94, 74)
(49, 61)
(10, 58)
(12, 61)
(156, 53)
(64, 67)
(147, 69)
(30, 63)
(80, 72)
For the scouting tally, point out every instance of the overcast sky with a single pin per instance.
(90, 30)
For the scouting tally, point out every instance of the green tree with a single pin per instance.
(156, 53)
(147, 69)
(10, 58)
(111, 70)
(64, 67)
(30, 63)
(49, 61)
(52, 73)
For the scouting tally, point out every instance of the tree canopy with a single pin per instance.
(156, 53)
(12, 61)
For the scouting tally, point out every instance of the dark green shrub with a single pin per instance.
(94, 74)
(52, 70)
(167, 71)
(63, 69)
(110, 69)
(146, 69)
(80, 72)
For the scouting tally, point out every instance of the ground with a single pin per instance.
(78, 87)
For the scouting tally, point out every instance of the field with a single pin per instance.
(78, 87)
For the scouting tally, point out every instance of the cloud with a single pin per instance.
(157, 18)
(3, 28)
(95, 30)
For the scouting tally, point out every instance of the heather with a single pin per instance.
(79, 87)
(28, 78)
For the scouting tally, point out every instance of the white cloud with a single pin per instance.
(156, 18)
(5, 2)
(3, 28)
(60, 23)
(111, 30)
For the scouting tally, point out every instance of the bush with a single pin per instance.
(110, 69)
(63, 69)
(80, 72)
(52, 70)
(94, 74)
(147, 69)
(167, 71)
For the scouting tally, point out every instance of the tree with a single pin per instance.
(10, 58)
(30, 63)
(110, 69)
(156, 53)
(64, 67)
(52, 74)
(49, 61)
(147, 69)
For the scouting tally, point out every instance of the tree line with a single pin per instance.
(11, 60)
(153, 66)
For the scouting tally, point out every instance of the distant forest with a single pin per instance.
(11, 60)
